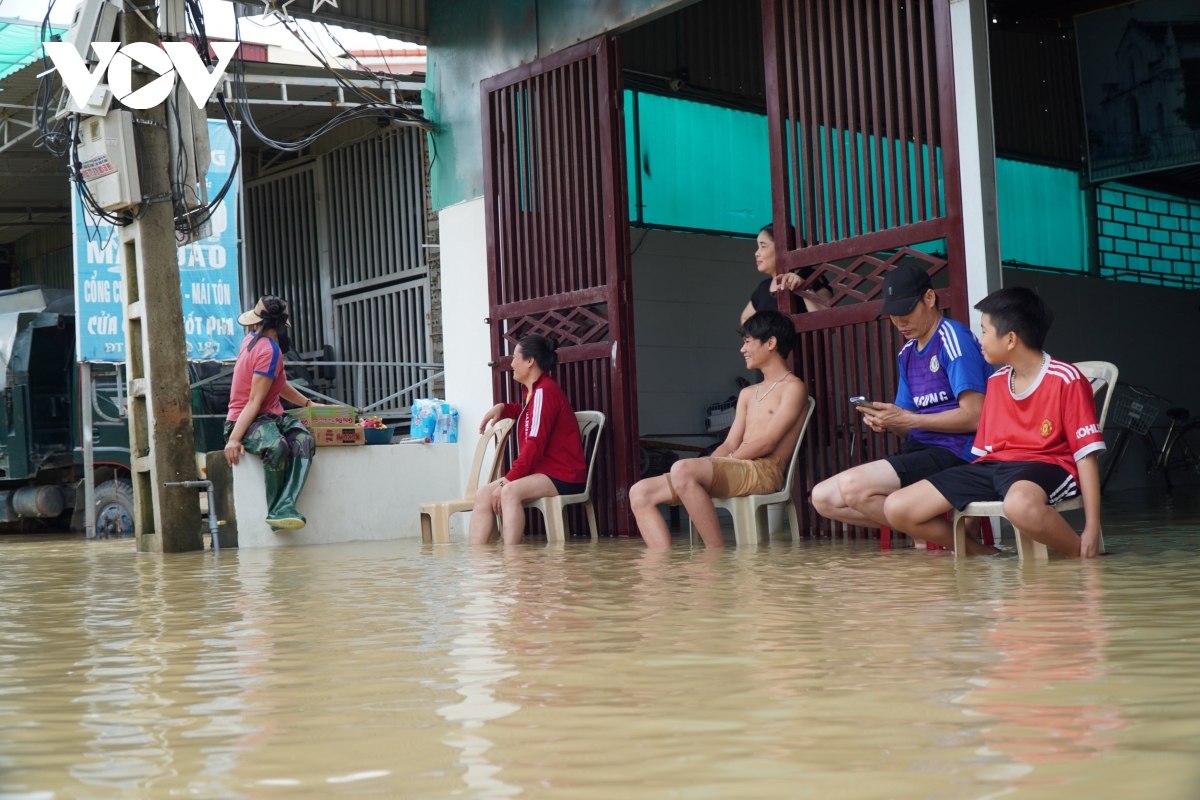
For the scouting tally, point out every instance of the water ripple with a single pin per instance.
(824, 669)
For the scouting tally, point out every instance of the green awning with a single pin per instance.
(20, 44)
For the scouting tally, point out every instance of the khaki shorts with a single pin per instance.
(733, 477)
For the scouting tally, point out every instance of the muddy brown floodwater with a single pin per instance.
(821, 670)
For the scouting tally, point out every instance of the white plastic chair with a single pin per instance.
(750, 512)
(591, 425)
(435, 517)
(1101, 374)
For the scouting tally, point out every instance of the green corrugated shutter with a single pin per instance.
(1042, 217)
(703, 167)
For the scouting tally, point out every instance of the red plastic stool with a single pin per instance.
(985, 531)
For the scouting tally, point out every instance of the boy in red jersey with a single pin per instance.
(1037, 440)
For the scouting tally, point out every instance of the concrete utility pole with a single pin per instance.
(161, 441)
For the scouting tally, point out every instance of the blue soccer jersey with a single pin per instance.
(932, 379)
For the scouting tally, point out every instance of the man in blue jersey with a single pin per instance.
(943, 376)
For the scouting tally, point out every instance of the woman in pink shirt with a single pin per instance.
(256, 422)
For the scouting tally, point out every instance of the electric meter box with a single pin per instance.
(108, 160)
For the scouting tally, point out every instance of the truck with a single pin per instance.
(41, 422)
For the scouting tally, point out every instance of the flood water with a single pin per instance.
(819, 670)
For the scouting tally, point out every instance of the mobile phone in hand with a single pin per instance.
(861, 401)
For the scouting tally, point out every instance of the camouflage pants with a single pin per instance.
(276, 440)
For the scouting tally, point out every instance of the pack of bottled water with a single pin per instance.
(435, 421)
(424, 418)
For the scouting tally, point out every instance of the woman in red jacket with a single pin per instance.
(550, 450)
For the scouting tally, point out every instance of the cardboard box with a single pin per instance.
(324, 416)
(334, 435)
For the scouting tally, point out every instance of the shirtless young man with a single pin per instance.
(755, 455)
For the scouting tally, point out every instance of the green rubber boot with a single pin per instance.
(283, 511)
(274, 480)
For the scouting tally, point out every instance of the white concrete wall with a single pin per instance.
(689, 291)
(976, 149)
(465, 346)
(352, 494)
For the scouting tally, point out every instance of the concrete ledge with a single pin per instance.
(353, 494)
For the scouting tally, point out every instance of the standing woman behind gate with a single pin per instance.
(765, 297)
(256, 422)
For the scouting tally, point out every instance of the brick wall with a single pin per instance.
(1148, 238)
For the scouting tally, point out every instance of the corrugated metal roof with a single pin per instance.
(399, 19)
(1036, 104)
(33, 183)
(289, 122)
(714, 47)
(20, 44)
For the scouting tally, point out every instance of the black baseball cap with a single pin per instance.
(903, 288)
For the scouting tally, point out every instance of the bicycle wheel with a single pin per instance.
(1184, 455)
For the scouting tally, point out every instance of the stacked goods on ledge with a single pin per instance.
(324, 416)
(329, 436)
(434, 420)
(330, 425)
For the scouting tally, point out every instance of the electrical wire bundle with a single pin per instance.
(371, 107)
(61, 136)
(53, 135)
(190, 221)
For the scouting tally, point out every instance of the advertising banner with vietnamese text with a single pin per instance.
(208, 272)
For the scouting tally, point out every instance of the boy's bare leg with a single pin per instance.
(645, 496)
(512, 514)
(483, 520)
(856, 496)
(692, 478)
(917, 510)
(1027, 508)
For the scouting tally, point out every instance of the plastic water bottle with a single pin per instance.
(446, 429)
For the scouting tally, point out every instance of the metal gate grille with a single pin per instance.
(385, 325)
(343, 238)
(283, 251)
(857, 123)
(377, 219)
(864, 176)
(378, 273)
(558, 244)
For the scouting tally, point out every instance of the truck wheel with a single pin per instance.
(114, 510)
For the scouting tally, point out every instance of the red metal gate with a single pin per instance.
(558, 244)
(864, 175)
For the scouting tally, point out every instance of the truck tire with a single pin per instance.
(114, 510)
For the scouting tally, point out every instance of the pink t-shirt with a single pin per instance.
(262, 359)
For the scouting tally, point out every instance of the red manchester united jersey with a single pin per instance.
(1053, 421)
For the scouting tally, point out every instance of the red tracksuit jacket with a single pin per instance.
(548, 441)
